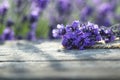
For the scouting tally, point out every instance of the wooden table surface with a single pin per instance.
(48, 60)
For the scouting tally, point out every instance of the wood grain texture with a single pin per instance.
(47, 59)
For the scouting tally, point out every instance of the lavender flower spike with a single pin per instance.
(8, 33)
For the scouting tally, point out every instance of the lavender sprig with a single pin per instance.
(82, 35)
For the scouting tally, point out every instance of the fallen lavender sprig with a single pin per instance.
(83, 35)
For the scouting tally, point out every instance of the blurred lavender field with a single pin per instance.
(35, 19)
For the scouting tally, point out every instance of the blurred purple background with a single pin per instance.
(35, 19)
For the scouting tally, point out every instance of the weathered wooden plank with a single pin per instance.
(47, 59)
(52, 51)
(73, 69)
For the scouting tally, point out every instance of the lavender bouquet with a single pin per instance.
(84, 35)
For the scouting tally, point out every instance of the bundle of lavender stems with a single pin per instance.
(80, 35)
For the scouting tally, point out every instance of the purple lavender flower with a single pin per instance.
(59, 31)
(82, 40)
(32, 27)
(68, 41)
(108, 35)
(85, 13)
(8, 33)
(39, 4)
(75, 25)
(42, 3)
(104, 8)
(33, 18)
(82, 35)
(64, 7)
(55, 33)
(4, 7)
(32, 33)
(103, 11)
(31, 36)
(37, 7)
(3, 10)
